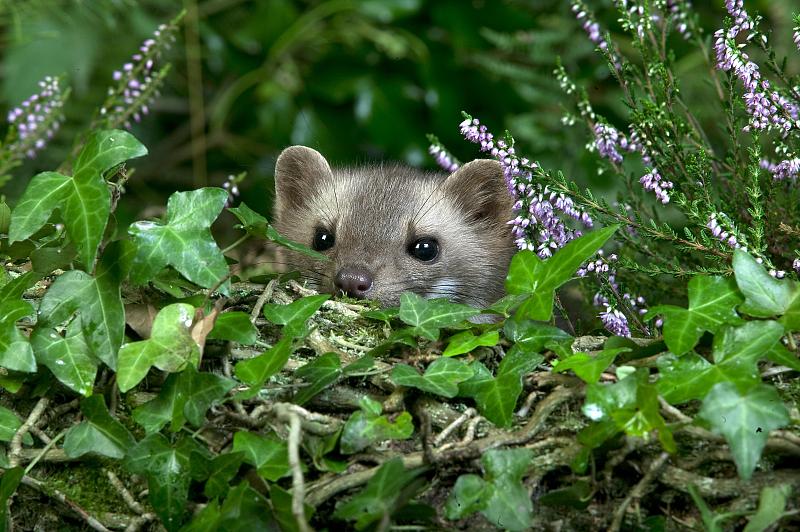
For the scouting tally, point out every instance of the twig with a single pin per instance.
(468, 413)
(39, 486)
(126, 495)
(16, 440)
(263, 298)
(44, 451)
(298, 485)
(638, 490)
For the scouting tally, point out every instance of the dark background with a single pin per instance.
(358, 80)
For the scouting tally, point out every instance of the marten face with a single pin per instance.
(388, 229)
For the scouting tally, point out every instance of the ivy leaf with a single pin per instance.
(282, 507)
(270, 456)
(771, 507)
(745, 419)
(712, 301)
(235, 327)
(16, 352)
(528, 274)
(736, 351)
(508, 504)
(764, 295)
(519, 361)
(184, 396)
(533, 336)
(589, 368)
(68, 358)
(98, 301)
(84, 198)
(184, 241)
(495, 397)
(470, 494)
(169, 348)
(221, 471)
(244, 509)
(320, 373)
(367, 426)
(386, 491)
(783, 357)
(441, 377)
(294, 315)
(9, 425)
(9, 482)
(466, 341)
(427, 316)
(168, 469)
(256, 371)
(99, 433)
(257, 225)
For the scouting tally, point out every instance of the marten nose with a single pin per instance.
(354, 282)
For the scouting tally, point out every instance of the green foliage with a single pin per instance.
(466, 341)
(325, 370)
(99, 433)
(442, 377)
(367, 426)
(268, 455)
(745, 419)
(428, 316)
(500, 496)
(170, 347)
(183, 241)
(83, 199)
(386, 492)
(528, 274)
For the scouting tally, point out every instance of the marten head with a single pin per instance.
(389, 228)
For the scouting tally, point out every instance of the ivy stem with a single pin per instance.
(791, 342)
(236, 244)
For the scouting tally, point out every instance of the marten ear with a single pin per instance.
(298, 171)
(480, 190)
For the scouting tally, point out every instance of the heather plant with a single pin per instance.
(685, 202)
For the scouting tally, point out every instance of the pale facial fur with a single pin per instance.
(377, 213)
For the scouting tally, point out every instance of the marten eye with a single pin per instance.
(424, 249)
(323, 239)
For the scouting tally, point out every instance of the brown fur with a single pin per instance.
(377, 211)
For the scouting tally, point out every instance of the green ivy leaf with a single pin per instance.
(99, 433)
(470, 494)
(589, 368)
(764, 295)
(466, 341)
(441, 377)
(771, 507)
(235, 327)
(221, 470)
(84, 198)
(256, 371)
(712, 301)
(387, 490)
(169, 348)
(282, 507)
(270, 456)
(534, 336)
(184, 396)
(68, 358)
(745, 419)
(320, 373)
(508, 504)
(9, 482)
(98, 301)
(495, 397)
(16, 352)
(9, 425)
(244, 509)
(168, 468)
(184, 241)
(427, 316)
(294, 315)
(257, 225)
(528, 274)
(519, 361)
(367, 426)
(783, 357)
(736, 352)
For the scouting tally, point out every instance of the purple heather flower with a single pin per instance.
(442, 157)
(137, 81)
(592, 29)
(678, 14)
(787, 169)
(615, 322)
(719, 232)
(652, 180)
(606, 139)
(537, 226)
(796, 265)
(38, 118)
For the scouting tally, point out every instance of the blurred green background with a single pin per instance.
(358, 80)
